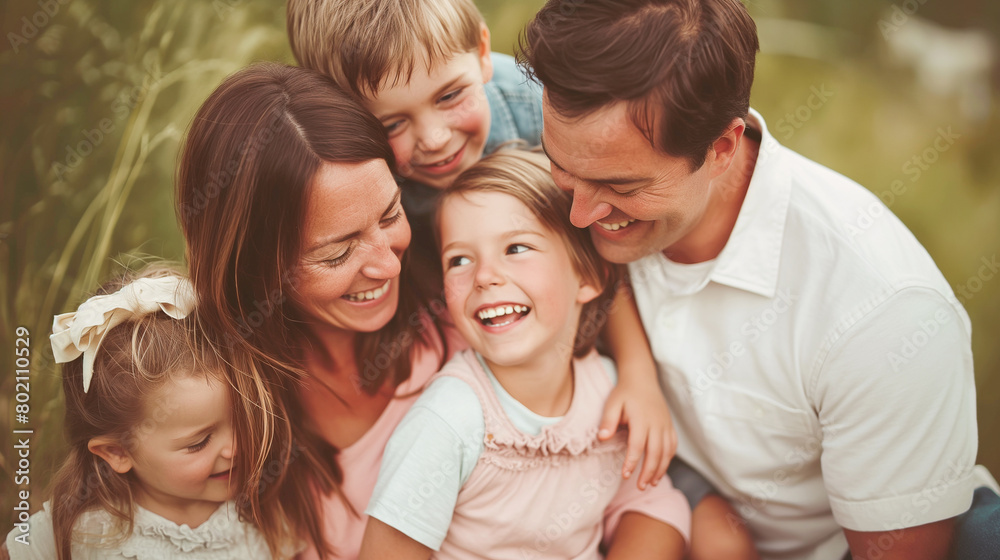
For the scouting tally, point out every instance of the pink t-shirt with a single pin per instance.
(360, 461)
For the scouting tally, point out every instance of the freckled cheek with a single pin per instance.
(470, 116)
(318, 287)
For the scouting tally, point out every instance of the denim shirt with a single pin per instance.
(515, 105)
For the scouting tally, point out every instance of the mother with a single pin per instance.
(295, 236)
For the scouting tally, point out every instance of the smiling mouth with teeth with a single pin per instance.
(368, 295)
(615, 226)
(445, 162)
(502, 314)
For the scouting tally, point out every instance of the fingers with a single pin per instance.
(669, 439)
(613, 409)
(637, 435)
(654, 459)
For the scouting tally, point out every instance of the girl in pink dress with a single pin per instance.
(499, 457)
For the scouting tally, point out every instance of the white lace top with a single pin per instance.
(221, 537)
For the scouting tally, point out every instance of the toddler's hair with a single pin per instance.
(366, 45)
(134, 359)
(525, 176)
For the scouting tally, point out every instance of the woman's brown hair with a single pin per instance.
(135, 358)
(250, 156)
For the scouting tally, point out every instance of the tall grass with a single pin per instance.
(95, 106)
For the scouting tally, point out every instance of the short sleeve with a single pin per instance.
(896, 401)
(427, 460)
(662, 502)
(37, 543)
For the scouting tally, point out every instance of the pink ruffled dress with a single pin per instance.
(554, 495)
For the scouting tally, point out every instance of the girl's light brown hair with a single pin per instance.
(525, 176)
(250, 157)
(134, 360)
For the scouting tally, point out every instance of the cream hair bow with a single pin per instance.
(82, 332)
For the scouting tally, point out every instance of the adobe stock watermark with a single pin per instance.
(974, 284)
(752, 330)
(899, 16)
(914, 168)
(223, 178)
(224, 7)
(793, 121)
(123, 104)
(912, 343)
(34, 24)
(921, 502)
(554, 527)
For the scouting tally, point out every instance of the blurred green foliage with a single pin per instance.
(96, 98)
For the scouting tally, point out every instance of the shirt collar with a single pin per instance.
(751, 258)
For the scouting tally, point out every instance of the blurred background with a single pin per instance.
(95, 98)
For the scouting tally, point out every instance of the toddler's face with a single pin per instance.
(183, 449)
(510, 284)
(439, 120)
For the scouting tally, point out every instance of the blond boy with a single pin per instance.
(425, 69)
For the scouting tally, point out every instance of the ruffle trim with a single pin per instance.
(547, 443)
(523, 458)
(220, 532)
(222, 535)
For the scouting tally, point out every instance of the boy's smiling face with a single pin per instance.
(438, 121)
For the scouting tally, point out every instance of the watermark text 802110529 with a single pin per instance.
(22, 435)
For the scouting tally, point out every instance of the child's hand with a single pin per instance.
(641, 406)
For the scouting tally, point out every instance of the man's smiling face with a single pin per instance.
(635, 199)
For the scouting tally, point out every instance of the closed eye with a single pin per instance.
(450, 95)
(394, 126)
(200, 445)
(339, 259)
(386, 222)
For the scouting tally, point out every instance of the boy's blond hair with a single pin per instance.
(365, 45)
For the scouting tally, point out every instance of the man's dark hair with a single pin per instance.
(685, 67)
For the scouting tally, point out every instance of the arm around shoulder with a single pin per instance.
(637, 400)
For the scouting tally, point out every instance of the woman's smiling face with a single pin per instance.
(353, 238)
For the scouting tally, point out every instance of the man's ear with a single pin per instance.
(722, 152)
(485, 61)
(111, 451)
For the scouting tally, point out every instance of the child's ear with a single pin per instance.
(485, 61)
(111, 451)
(587, 292)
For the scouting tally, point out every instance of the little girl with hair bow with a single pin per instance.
(149, 424)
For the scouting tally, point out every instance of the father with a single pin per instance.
(820, 377)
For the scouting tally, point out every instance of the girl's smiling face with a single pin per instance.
(510, 284)
(182, 451)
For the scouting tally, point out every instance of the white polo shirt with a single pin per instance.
(819, 370)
